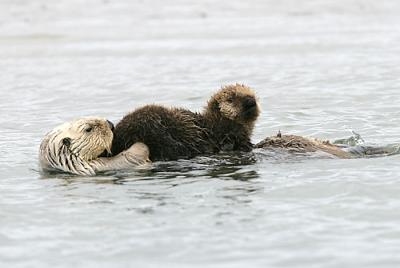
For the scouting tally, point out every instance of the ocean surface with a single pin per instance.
(321, 68)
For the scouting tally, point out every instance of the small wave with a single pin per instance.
(353, 140)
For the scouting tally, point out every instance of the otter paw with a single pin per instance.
(138, 153)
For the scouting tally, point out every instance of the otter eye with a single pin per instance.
(89, 129)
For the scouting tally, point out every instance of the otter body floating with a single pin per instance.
(75, 146)
(298, 144)
(174, 133)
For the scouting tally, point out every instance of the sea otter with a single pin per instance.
(298, 144)
(74, 147)
(226, 124)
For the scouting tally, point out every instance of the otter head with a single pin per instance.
(88, 137)
(235, 102)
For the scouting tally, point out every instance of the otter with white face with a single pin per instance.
(75, 147)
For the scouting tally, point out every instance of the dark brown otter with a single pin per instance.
(230, 117)
(174, 133)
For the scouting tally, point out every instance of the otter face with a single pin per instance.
(88, 137)
(237, 103)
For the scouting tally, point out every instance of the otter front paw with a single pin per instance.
(138, 153)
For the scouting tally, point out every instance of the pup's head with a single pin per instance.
(235, 102)
(87, 137)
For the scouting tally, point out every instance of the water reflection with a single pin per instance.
(234, 166)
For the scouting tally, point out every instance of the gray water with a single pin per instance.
(320, 68)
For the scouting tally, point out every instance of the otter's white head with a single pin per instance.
(86, 137)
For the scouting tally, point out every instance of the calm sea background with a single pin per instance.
(321, 68)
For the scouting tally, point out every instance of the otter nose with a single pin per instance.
(249, 102)
(110, 124)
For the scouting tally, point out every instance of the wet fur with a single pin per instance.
(298, 144)
(176, 133)
(170, 133)
(74, 148)
(229, 123)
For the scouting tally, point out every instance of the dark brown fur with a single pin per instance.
(174, 133)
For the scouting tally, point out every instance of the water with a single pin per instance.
(320, 68)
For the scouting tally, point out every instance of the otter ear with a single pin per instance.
(66, 141)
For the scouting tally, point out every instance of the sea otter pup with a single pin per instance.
(298, 144)
(74, 147)
(174, 133)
